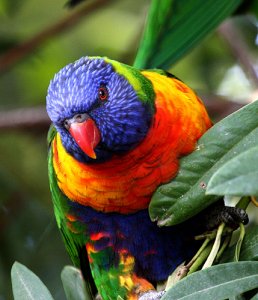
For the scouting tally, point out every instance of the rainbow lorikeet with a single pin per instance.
(118, 135)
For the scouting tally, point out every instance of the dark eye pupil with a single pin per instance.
(103, 94)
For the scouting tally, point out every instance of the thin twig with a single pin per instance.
(12, 56)
(239, 48)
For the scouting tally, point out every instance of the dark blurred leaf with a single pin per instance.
(74, 284)
(174, 27)
(255, 297)
(219, 282)
(237, 177)
(248, 6)
(12, 6)
(26, 285)
(7, 43)
(7, 184)
(185, 196)
(73, 3)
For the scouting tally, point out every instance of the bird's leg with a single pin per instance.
(222, 220)
(231, 216)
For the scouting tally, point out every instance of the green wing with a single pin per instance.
(73, 236)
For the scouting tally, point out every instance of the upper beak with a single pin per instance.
(85, 132)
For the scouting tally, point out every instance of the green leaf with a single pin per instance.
(74, 284)
(26, 285)
(174, 27)
(218, 282)
(249, 248)
(185, 196)
(238, 177)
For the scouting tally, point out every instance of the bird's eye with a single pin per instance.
(103, 93)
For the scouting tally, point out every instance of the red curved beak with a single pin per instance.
(86, 134)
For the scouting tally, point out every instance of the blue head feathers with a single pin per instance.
(95, 87)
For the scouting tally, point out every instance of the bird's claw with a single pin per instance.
(231, 216)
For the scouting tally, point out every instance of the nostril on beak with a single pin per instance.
(78, 118)
(67, 124)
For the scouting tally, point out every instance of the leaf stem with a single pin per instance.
(199, 261)
(224, 246)
(204, 245)
(208, 235)
(239, 242)
(215, 247)
(244, 202)
(254, 201)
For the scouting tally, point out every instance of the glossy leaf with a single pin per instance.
(26, 285)
(218, 282)
(74, 284)
(174, 27)
(185, 195)
(238, 177)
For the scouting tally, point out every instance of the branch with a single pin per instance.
(36, 117)
(218, 106)
(12, 56)
(238, 48)
(24, 118)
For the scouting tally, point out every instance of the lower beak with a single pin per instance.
(87, 136)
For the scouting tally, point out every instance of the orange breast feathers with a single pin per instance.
(126, 182)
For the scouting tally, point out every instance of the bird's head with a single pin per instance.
(100, 107)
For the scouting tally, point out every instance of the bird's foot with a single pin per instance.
(152, 295)
(231, 216)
